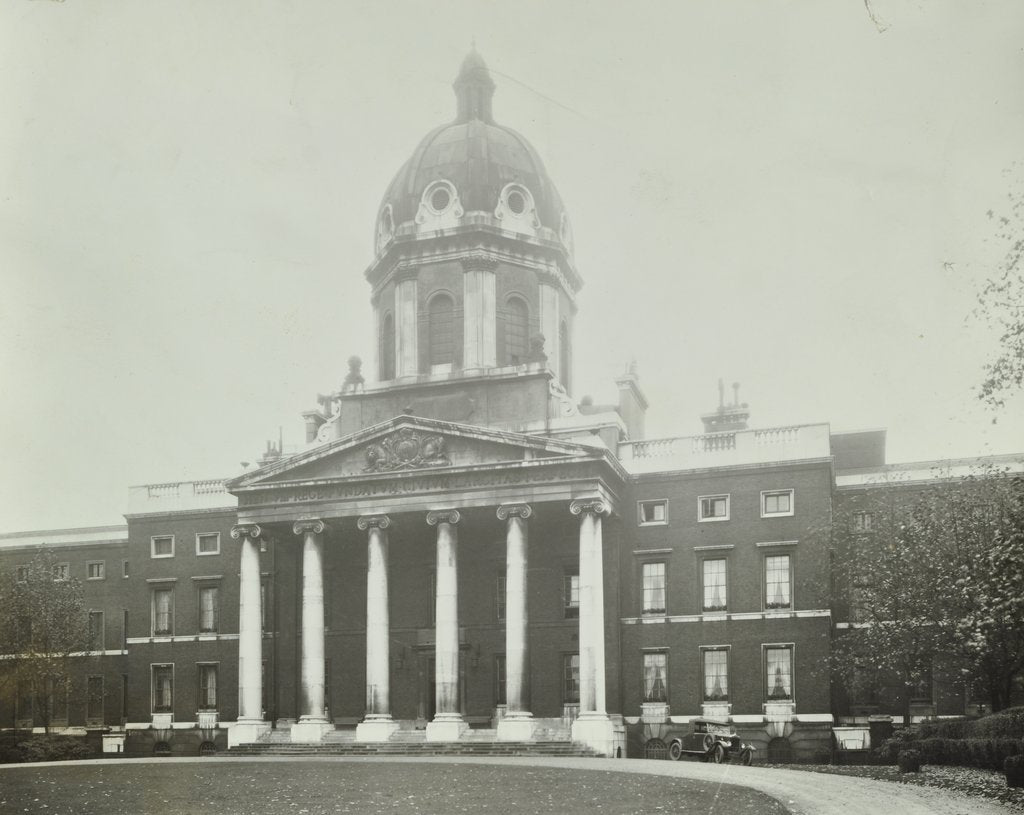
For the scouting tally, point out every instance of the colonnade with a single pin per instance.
(448, 723)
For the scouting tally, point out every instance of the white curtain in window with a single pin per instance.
(716, 677)
(714, 585)
(779, 667)
(777, 581)
(654, 678)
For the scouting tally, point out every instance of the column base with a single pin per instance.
(446, 727)
(596, 731)
(376, 727)
(310, 729)
(518, 726)
(246, 731)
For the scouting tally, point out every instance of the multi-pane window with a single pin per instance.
(95, 570)
(776, 502)
(209, 608)
(863, 521)
(499, 679)
(162, 546)
(777, 582)
(570, 678)
(714, 508)
(208, 543)
(207, 687)
(441, 332)
(163, 688)
(715, 670)
(499, 597)
(94, 700)
(517, 323)
(654, 588)
(652, 512)
(714, 579)
(61, 571)
(778, 668)
(571, 595)
(656, 677)
(163, 612)
(124, 568)
(96, 631)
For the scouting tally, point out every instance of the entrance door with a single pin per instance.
(428, 687)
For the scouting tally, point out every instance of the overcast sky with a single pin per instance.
(791, 195)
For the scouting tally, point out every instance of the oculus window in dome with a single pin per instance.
(440, 207)
(385, 228)
(516, 210)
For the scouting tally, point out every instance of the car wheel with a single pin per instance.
(717, 754)
(675, 751)
(746, 758)
(709, 742)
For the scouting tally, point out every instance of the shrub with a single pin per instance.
(1007, 724)
(54, 748)
(945, 729)
(909, 761)
(1013, 767)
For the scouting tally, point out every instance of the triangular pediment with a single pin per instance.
(406, 444)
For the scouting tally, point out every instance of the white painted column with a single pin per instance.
(377, 724)
(312, 719)
(549, 323)
(518, 724)
(406, 330)
(480, 320)
(593, 727)
(448, 723)
(250, 724)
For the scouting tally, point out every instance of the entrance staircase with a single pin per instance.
(549, 741)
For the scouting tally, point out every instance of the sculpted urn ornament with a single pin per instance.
(406, 449)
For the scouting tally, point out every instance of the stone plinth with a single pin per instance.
(596, 731)
(247, 732)
(310, 730)
(516, 728)
(376, 728)
(444, 728)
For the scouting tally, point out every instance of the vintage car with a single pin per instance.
(709, 741)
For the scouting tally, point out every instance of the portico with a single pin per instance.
(415, 480)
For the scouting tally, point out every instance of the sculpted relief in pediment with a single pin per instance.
(406, 449)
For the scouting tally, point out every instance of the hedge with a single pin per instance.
(987, 754)
(44, 748)
(1007, 724)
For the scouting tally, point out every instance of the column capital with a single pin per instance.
(251, 531)
(506, 511)
(306, 525)
(443, 516)
(596, 506)
(479, 262)
(373, 522)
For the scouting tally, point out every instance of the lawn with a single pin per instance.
(328, 787)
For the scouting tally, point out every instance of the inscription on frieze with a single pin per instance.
(405, 486)
(406, 449)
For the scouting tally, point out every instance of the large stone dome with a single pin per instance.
(473, 171)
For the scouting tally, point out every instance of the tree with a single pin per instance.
(885, 567)
(44, 630)
(935, 575)
(1001, 304)
(987, 591)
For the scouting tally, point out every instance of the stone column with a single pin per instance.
(593, 727)
(250, 724)
(518, 724)
(312, 723)
(377, 724)
(448, 724)
(480, 325)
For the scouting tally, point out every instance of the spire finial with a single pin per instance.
(474, 88)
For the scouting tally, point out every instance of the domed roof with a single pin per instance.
(478, 157)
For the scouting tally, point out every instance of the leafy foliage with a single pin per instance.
(1001, 304)
(44, 628)
(937, 575)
